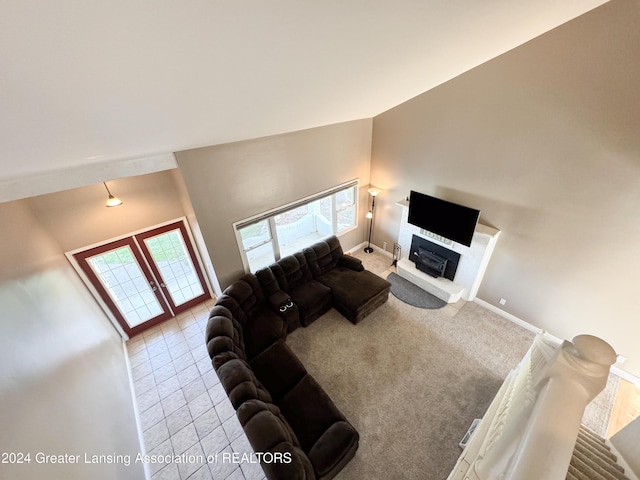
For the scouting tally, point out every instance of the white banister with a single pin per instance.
(577, 375)
(530, 429)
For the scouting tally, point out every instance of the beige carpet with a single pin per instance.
(410, 380)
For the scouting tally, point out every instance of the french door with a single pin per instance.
(146, 278)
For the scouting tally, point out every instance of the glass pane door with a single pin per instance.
(127, 286)
(173, 261)
(118, 272)
(176, 268)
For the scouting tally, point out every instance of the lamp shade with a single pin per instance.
(111, 200)
(373, 191)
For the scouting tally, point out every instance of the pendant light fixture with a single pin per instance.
(112, 201)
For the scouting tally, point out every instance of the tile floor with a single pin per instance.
(182, 406)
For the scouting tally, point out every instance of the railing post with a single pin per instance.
(577, 374)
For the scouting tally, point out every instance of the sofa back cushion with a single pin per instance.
(323, 256)
(278, 369)
(268, 282)
(291, 271)
(268, 431)
(224, 334)
(243, 298)
(240, 383)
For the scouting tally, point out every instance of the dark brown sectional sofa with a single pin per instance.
(287, 416)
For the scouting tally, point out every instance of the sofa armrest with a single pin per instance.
(282, 304)
(351, 262)
(334, 449)
(280, 301)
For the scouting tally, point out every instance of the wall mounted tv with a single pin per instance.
(450, 220)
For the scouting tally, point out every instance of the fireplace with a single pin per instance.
(433, 259)
(468, 267)
(430, 263)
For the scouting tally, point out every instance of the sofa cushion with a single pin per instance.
(267, 281)
(291, 271)
(309, 411)
(280, 429)
(247, 298)
(224, 333)
(323, 256)
(240, 383)
(310, 292)
(355, 293)
(313, 299)
(233, 306)
(261, 331)
(278, 369)
(221, 358)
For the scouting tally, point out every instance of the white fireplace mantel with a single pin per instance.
(471, 268)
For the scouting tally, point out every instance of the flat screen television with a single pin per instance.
(450, 220)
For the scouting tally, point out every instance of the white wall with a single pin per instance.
(64, 386)
(544, 141)
(227, 183)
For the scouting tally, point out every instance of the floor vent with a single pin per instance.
(467, 436)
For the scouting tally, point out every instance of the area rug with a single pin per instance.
(410, 380)
(409, 293)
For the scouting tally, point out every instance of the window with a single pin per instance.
(272, 235)
(257, 244)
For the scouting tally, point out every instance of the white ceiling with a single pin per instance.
(92, 81)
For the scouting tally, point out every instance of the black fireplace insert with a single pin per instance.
(433, 259)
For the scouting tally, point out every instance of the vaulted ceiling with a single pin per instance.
(91, 81)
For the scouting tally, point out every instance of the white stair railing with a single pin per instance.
(530, 428)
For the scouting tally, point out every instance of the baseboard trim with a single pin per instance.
(616, 370)
(358, 247)
(375, 247)
(626, 375)
(512, 318)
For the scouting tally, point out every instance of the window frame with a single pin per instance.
(270, 215)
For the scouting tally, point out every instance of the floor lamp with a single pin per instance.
(373, 191)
